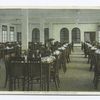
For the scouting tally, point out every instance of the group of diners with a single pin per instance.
(40, 65)
(9, 48)
(92, 51)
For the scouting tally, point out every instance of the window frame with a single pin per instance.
(64, 35)
(19, 36)
(12, 35)
(4, 33)
(76, 34)
(46, 34)
(35, 35)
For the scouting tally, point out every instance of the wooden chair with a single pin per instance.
(68, 54)
(63, 61)
(85, 50)
(89, 54)
(55, 72)
(97, 71)
(35, 72)
(92, 59)
(16, 70)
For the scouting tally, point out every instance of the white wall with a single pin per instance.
(18, 28)
(31, 27)
(83, 28)
(36, 25)
(56, 27)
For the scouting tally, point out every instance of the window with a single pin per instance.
(19, 36)
(4, 33)
(12, 34)
(76, 35)
(46, 34)
(89, 36)
(64, 35)
(36, 35)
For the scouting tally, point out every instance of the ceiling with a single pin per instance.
(51, 15)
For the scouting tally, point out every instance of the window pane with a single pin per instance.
(46, 34)
(36, 35)
(11, 33)
(19, 36)
(4, 33)
(64, 35)
(4, 27)
(12, 29)
(76, 35)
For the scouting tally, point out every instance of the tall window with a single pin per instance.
(19, 36)
(64, 35)
(46, 34)
(12, 34)
(76, 35)
(4, 33)
(36, 35)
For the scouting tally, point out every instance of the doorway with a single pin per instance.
(89, 36)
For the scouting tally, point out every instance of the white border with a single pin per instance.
(51, 4)
(48, 4)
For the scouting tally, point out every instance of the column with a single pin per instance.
(30, 33)
(70, 36)
(25, 30)
(42, 31)
(8, 33)
(82, 36)
(0, 32)
(50, 30)
(98, 33)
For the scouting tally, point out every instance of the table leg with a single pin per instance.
(48, 77)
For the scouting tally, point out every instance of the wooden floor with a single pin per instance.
(77, 78)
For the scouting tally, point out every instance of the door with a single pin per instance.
(89, 36)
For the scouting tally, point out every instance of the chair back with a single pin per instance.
(17, 67)
(35, 66)
(97, 63)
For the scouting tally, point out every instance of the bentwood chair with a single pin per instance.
(97, 71)
(89, 54)
(17, 73)
(85, 50)
(68, 54)
(55, 72)
(92, 59)
(35, 73)
(63, 61)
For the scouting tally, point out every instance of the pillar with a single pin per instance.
(70, 36)
(42, 31)
(25, 30)
(50, 30)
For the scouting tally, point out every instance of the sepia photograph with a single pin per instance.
(50, 50)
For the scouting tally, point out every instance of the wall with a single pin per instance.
(82, 27)
(56, 27)
(36, 25)
(18, 28)
(31, 27)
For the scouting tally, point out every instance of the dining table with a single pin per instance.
(47, 65)
(48, 61)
